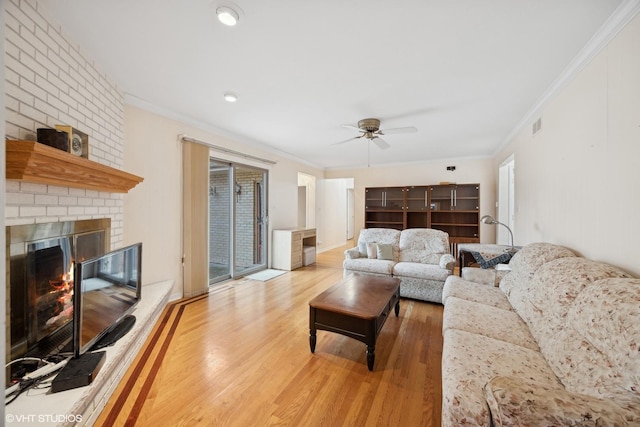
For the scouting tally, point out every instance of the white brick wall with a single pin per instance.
(219, 229)
(49, 81)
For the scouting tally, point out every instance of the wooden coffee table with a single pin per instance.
(357, 307)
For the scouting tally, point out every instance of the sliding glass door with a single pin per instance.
(219, 221)
(237, 220)
(249, 216)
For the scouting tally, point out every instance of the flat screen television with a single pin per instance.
(106, 289)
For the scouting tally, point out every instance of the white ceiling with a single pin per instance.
(464, 72)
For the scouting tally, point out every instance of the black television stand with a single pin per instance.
(120, 329)
(78, 372)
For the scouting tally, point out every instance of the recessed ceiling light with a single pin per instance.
(227, 15)
(230, 97)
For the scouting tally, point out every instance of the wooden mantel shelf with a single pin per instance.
(34, 162)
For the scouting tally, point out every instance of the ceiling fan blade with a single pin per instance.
(347, 140)
(353, 127)
(381, 143)
(408, 129)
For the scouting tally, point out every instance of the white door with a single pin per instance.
(506, 196)
(351, 218)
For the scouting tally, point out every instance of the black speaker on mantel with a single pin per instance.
(54, 138)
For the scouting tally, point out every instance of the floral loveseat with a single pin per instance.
(557, 343)
(419, 257)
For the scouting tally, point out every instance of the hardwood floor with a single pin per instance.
(240, 356)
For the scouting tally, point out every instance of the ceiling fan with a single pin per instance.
(370, 129)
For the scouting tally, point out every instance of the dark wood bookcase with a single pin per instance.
(454, 208)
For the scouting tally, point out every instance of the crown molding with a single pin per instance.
(627, 10)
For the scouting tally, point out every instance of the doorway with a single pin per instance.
(351, 216)
(337, 214)
(237, 220)
(306, 200)
(506, 200)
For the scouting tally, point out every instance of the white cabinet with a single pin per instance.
(287, 247)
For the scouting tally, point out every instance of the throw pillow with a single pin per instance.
(372, 250)
(362, 248)
(385, 251)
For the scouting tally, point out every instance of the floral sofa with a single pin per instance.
(556, 344)
(419, 257)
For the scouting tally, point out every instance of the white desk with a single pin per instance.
(287, 247)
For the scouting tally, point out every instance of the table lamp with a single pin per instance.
(488, 219)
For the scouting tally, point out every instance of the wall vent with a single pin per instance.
(537, 126)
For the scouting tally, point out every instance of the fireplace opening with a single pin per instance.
(50, 286)
(40, 287)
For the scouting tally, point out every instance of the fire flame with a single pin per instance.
(64, 286)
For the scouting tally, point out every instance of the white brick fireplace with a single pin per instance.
(49, 81)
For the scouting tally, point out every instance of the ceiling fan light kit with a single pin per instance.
(369, 125)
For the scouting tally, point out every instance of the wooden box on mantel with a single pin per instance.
(31, 161)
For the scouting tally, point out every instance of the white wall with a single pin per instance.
(480, 171)
(153, 210)
(283, 192)
(578, 179)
